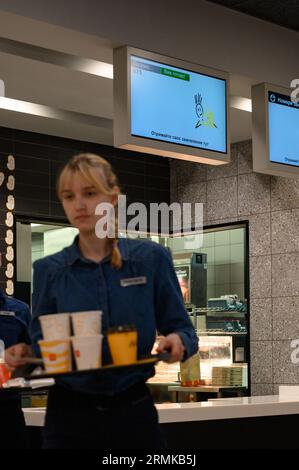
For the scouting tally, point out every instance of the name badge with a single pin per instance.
(133, 281)
(4, 313)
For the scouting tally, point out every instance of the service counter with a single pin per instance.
(229, 423)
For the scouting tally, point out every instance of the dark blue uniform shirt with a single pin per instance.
(68, 282)
(14, 329)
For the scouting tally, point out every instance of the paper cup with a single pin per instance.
(87, 323)
(87, 351)
(55, 326)
(56, 355)
(122, 343)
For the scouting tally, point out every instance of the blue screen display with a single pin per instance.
(177, 106)
(283, 129)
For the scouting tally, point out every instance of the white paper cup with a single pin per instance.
(56, 355)
(55, 326)
(87, 351)
(87, 323)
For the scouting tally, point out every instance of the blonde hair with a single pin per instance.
(85, 164)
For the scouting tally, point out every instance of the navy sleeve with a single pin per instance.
(42, 301)
(23, 316)
(171, 315)
(22, 320)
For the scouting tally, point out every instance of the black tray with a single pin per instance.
(153, 359)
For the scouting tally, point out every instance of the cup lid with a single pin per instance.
(121, 329)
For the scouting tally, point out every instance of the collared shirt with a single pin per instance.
(68, 282)
(14, 329)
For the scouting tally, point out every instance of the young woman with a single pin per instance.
(112, 409)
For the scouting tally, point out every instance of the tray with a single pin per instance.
(153, 359)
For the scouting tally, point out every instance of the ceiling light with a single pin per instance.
(238, 102)
(41, 110)
(49, 56)
(25, 107)
(94, 67)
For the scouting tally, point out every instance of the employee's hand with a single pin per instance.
(174, 345)
(14, 356)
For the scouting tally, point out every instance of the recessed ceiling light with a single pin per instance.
(49, 56)
(238, 102)
(2, 88)
(41, 110)
(94, 67)
(25, 107)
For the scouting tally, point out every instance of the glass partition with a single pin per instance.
(49, 239)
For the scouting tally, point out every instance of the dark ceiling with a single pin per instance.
(282, 12)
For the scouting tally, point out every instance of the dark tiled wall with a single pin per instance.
(143, 178)
(39, 157)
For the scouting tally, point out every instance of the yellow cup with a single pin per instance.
(122, 342)
(56, 355)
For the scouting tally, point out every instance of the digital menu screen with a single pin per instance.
(283, 129)
(177, 106)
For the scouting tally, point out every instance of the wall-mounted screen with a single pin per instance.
(171, 108)
(275, 119)
(283, 129)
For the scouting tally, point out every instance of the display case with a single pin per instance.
(222, 336)
(213, 280)
(216, 321)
